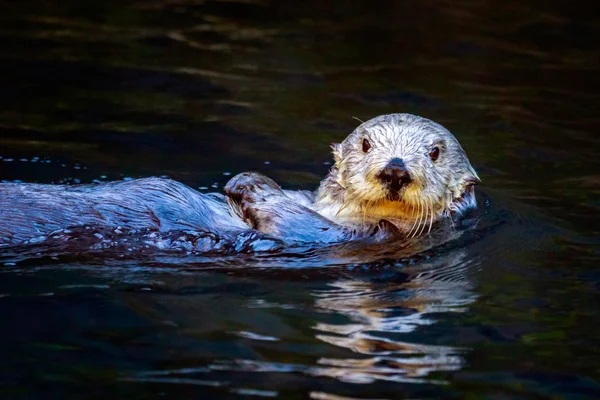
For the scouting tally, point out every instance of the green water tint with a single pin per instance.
(194, 90)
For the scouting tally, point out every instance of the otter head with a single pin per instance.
(403, 166)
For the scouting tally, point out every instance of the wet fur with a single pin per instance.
(348, 204)
(352, 195)
(28, 211)
(261, 203)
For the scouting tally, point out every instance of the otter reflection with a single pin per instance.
(381, 312)
(384, 309)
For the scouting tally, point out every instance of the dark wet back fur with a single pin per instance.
(255, 204)
(28, 211)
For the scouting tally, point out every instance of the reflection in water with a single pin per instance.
(379, 312)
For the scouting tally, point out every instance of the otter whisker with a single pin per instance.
(425, 214)
(358, 119)
(342, 208)
(421, 210)
(430, 222)
(426, 217)
(365, 211)
(414, 210)
(429, 213)
(417, 219)
(433, 216)
(345, 204)
(447, 209)
(421, 213)
(412, 213)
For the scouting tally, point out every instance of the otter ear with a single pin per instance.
(337, 152)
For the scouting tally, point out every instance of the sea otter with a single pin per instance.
(402, 168)
(395, 174)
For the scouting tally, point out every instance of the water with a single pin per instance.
(200, 90)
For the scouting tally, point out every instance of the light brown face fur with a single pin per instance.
(353, 194)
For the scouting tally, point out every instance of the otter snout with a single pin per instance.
(395, 175)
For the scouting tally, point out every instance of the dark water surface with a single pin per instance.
(197, 90)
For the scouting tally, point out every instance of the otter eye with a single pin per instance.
(366, 145)
(434, 153)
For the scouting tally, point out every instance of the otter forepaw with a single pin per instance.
(247, 189)
(261, 204)
(248, 184)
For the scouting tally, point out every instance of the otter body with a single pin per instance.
(394, 174)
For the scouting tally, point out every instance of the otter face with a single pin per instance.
(405, 160)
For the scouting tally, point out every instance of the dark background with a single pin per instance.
(197, 90)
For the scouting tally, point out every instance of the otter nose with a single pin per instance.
(395, 175)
